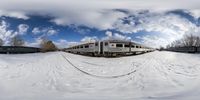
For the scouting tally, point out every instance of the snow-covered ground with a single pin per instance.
(63, 76)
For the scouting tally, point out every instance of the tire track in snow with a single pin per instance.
(98, 76)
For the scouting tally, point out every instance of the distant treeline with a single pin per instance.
(186, 41)
(46, 45)
(189, 43)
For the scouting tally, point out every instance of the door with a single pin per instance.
(101, 47)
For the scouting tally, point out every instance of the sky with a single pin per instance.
(153, 23)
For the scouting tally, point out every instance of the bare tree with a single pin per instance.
(47, 45)
(1, 42)
(17, 41)
(186, 41)
(197, 42)
(189, 40)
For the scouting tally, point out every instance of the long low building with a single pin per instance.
(18, 50)
(187, 49)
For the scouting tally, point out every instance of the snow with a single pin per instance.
(64, 76)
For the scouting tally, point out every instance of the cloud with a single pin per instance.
(36, 30)
(142, 15)
(62, 43)
(95, 14)
(153, 41)
(82, 31)
(110, 35)
(121, 37)
(22, 29)
(6, 34)
(48, 31)
(35, 43)
(94, 19)
(14, 14)
(89, 39)
(195, 13)
(167, 26)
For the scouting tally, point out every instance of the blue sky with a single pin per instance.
(68, 22)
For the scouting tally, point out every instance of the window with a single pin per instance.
(86, 46)
(106, 43)
(91, 45)
(112, 45)
(119, 45)
(137, 46)
(96, 44)
(126, 45)
(81, 46)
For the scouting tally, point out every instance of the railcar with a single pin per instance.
(188, 49)
(109, 48)
(198, 49)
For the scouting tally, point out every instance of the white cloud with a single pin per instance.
(110, 35)
(169, 27)
(153, 41)
(195, 13)
(36, 30)
(35, 43)
(62, 43)
(101, 15)
(6, 34)
(89, 39)
(51, 32)
(91, 13)
(22, 29)
(121, 37)
(44, 31)
(82, 31)
(14, 14)
(94, 19)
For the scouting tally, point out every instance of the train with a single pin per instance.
(109, 48)
(18, 50)
(186, 49)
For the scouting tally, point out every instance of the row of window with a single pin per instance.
(127, 46)
(82, 46)
(117, 45)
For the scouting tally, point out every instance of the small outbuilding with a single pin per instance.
(18, 50)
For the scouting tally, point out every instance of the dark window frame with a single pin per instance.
(96, 44)
(86, 46)
(119, 45)
(126, 45)
(106, 44)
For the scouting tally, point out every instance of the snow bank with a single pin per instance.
(53, 76)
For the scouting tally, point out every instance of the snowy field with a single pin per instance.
(63, 76)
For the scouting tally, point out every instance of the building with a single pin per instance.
(18, 50)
